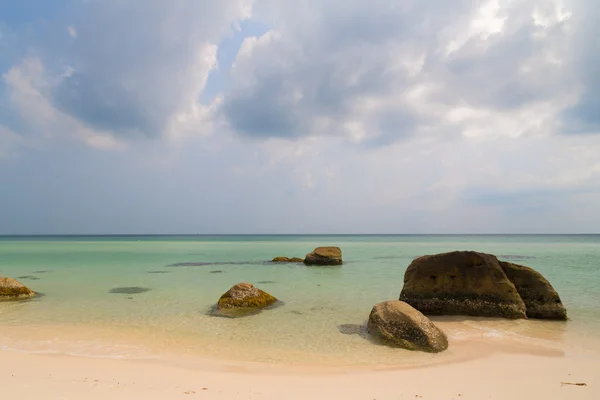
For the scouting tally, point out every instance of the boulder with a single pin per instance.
(11, 289)
(282, 259)
(324, 256)
(461, 283)
(540, 298)
(397, 324)
(245, 297)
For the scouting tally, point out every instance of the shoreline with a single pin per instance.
(469, 339)
(499, 376)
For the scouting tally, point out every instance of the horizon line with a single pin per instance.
(288, 234)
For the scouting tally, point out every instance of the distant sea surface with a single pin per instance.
(149, 296)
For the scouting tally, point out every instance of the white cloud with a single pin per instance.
(29, 88)
(72, 31)
(137, 68)
(375, 73)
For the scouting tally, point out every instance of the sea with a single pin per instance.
(151, 297)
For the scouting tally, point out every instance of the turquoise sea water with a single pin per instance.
(77, 313)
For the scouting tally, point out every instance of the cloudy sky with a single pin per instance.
(307, 116)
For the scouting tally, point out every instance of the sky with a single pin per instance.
(307, 116)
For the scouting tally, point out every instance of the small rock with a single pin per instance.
(398, 324)
(324, 256)
(11, 289)
(245, 295)
(244, 299)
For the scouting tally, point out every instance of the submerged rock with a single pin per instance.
(192, 264)
(11, 289)
(397, 324)
(324, 256)
(282, 259)
(244, 298)
(461, 283)
(129, 290)
(30, 277)
(352, 329)
(540, 298)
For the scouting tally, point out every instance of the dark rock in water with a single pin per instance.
(30, 277)
(40, 272)
(11, 289)
(191, 264)
(477, 284)
(287, 260)
(398, 324)
(214, 264)
(541, 300)
(461, 283)
(159, 272)
(129, 290)
(244, 299)
(245, 295)
(218, 271)
(324, 256)
(352, 329)
(265, 282)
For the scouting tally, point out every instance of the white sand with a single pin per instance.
(500, 376)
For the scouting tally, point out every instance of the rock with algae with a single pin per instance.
(11, 289)
(324, 256)
(243, 299)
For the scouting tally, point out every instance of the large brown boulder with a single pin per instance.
(11, 289)
(400, 325)
(244, 298)
(324, 256)
(461, 283)
(540, 298)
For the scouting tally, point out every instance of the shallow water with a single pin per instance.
(149, 296)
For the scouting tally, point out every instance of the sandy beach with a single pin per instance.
(501, 376)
